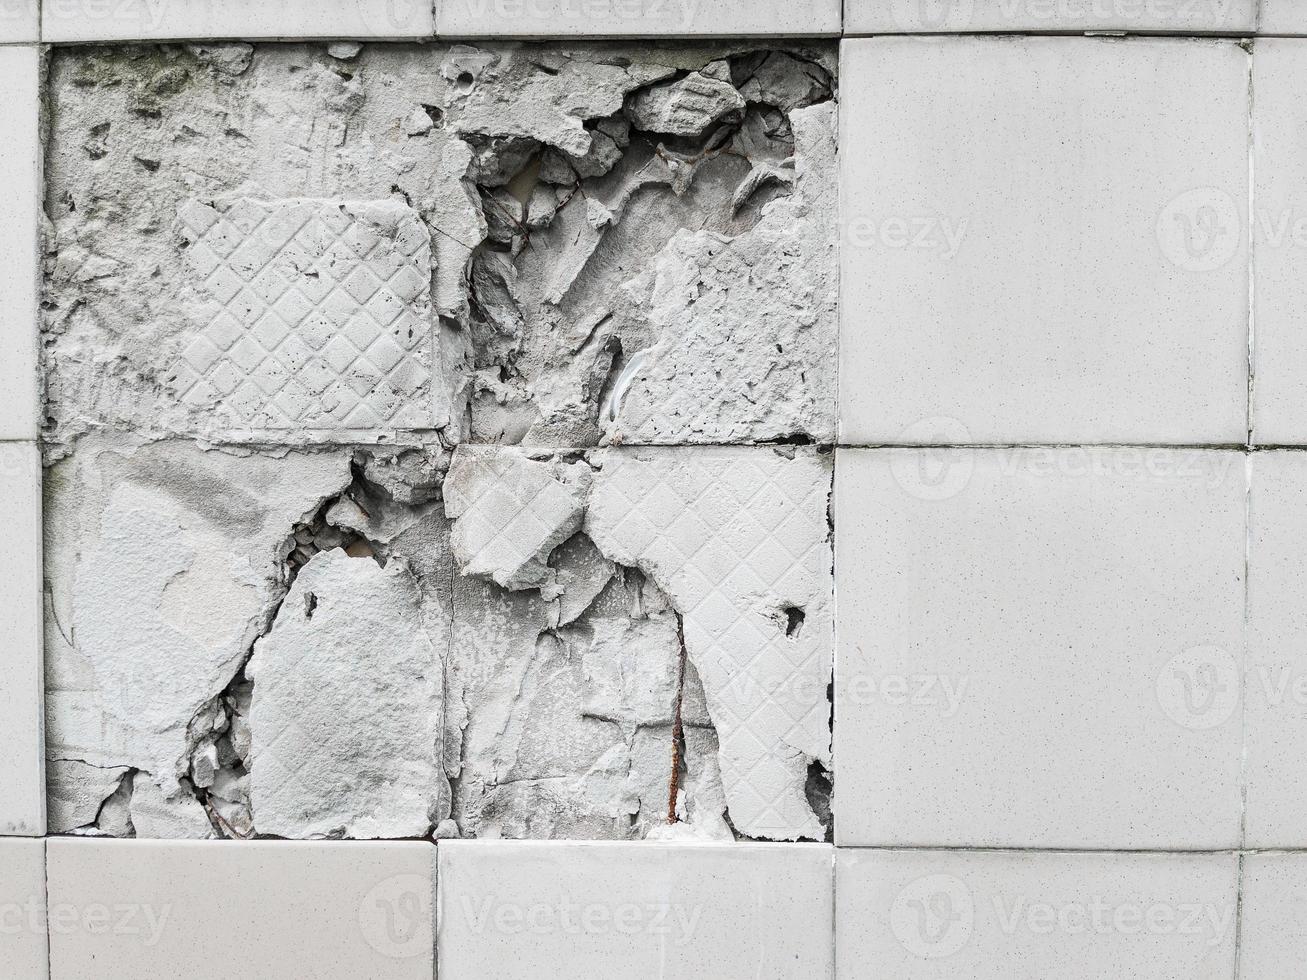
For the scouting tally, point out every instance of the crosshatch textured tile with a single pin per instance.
(22, 909)
(1039, 648)
(309, 315)
(523, 910)
(1091, 287)
(997, 915)
(647, 18)
(20, 173)
(1279, 242)
(642, 263)
(22, 778)
(1273, 930)
(258, 909)
(1275, 685)
(65, 21)
(962, 16)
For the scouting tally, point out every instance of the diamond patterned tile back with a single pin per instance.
(738, 536)
(312, 315)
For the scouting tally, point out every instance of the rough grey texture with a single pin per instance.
(348, 322)
(163, 563)
(348, 705)
(598, 219)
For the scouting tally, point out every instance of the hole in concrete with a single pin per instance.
(794, 617)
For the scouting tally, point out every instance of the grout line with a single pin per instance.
(1238, 920)
(1140, 851)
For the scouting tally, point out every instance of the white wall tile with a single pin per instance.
(1015, 266)
(212, 910)
(1273, 941)
(1283, 17)
(1280, 242)
(22, 909)
(22, 765)
(1275, 688)
(521, 910)
(1163, 16)
(996, 915)
(650, 18)
(19, 21)
(19, 175)
(124, 20)
(1019, 631)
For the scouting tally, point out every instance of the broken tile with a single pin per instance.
(511, 511)
(566, 728)
(588, 277)
(165, 562)
(19, 21)
(588, 910)
(1040, 647)
(1273, 916)
(1275, 684)
(22, 909)
(76, 21)
(1092, 288)
(964, 16)
(330, 910)
(308, 316)
(779, 278)
(738, 540)
(347, 708)
(635, 18)
(996, 915)
(22, 779)
(290, 294)
(20, 173)
(1279, 393)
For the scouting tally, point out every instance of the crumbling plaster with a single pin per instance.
(303, 589)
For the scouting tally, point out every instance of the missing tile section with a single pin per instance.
(164, 563)
(308, 317)
(730, 534)
(347, 746)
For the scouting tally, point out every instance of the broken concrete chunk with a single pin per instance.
(344, 50)
(689, 105)
(783, 81)
(767, 295)
(739, 539)
(163, 563)
(580, 575)
(158, 817)
(347, 710)
(511, 511)
(77, 792)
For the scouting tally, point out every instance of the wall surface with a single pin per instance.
(653, 488)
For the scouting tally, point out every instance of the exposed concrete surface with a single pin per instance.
(333, 335)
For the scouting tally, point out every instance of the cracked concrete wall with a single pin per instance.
(429, 440)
